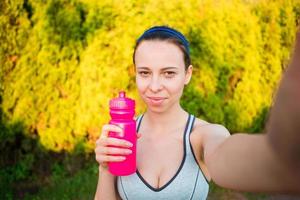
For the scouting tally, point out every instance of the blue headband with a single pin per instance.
(170, 32)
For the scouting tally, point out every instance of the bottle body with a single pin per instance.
(128, 166)
(122, 111)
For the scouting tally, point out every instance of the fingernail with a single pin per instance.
(128, 151)
(121, 132)
(129, 144)
(123, 158)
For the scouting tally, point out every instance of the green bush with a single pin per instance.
(63, 60)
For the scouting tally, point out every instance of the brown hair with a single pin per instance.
(164, 34)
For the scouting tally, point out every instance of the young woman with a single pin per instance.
(177, 153)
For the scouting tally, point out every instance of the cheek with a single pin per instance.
(176, 85)
(141, 84)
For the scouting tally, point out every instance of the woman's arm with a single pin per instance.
(284, 124)
(106, 189)
(247, 163)
(264, 162)
(109, 149)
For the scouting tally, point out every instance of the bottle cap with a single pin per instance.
(122, 102)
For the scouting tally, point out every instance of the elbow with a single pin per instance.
(215, 174)
(215, 166)
(286, 151)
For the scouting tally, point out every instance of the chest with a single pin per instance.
(158, 160)
(165, 171)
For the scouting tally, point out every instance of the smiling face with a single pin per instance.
(160, 74)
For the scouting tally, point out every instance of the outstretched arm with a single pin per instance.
(284, 124)
(248, 163)
(263, 162)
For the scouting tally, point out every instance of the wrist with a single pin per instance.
(103, 170)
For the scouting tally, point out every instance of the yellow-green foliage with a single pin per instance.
(61, 61)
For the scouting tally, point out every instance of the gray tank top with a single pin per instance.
(189, 183)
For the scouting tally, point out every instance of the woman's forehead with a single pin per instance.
(160, 52)
(156, 44)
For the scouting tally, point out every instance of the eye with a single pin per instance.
(144, 73)
(169, 74)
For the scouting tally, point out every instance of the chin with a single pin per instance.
(157, 110)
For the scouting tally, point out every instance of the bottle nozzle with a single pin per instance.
(122, 102)
(122, 94)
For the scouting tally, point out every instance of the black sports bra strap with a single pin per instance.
(138, 122)
(188, 130)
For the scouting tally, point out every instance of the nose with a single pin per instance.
(155, 84)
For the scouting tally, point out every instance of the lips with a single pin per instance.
(156, 101)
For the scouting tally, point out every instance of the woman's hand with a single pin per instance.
(109, 149)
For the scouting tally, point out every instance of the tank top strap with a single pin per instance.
(138, 122)
(188, 133)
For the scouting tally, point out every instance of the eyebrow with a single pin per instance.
(165, 68)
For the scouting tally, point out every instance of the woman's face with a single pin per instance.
(160, 74)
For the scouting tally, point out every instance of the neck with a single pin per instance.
(159, 122)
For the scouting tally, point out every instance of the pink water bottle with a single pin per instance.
(122, 113)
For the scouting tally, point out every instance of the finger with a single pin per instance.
(138, 135)
(98, 141)
(113, 151)
(110, 127)
(110, 141)
(104, 159)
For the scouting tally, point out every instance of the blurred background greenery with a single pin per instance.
(62, 60)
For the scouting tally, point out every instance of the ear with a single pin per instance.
(188, 75)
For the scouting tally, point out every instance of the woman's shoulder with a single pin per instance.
(202, 127)
(206, 134)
